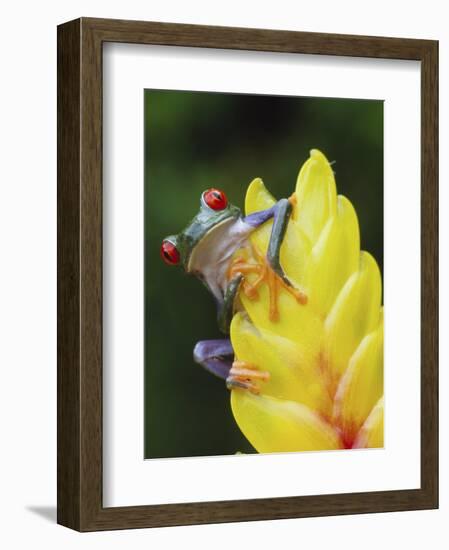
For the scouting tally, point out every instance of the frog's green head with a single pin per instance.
(214, 212)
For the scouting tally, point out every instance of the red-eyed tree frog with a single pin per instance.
(205, 248)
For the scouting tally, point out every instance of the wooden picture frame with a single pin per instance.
(80, 504)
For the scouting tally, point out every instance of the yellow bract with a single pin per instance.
(325, 358)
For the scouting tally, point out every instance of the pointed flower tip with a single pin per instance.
(369, 263)
(316, 168)
(258, 197)
(319, 159)
(255, 187)
(316, 154)
(316, 194)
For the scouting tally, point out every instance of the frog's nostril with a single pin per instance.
(169, 253)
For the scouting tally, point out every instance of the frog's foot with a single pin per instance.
(275, 279)
(275, 282)
(265, 274)
(245, 375)
(242, 267)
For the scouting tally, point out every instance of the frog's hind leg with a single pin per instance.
(217, 356)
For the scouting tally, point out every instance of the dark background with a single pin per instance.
(196, 140)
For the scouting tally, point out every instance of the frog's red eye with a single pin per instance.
(215, 199)
(169, 253)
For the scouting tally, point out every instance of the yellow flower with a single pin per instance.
(325, 357)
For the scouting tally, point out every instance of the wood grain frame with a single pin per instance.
(80, 274)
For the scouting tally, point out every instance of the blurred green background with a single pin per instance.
(196, 140)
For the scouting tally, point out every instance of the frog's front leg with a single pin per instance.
(280, 213)
(217, 356)
(271, 272)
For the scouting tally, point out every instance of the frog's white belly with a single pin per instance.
(212, 254)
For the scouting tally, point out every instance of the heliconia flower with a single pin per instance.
(324, 357)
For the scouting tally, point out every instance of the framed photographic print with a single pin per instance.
(247, 274)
